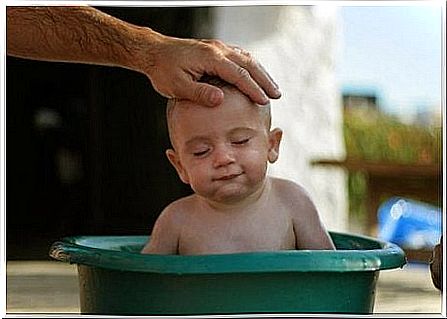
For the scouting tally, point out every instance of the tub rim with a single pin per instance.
(74, 251)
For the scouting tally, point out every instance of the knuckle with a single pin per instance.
(217, 43)
(247, 54)
(243, 74)
(208, 49)
(200, 93)
(251, 61)
(213, 48)
(212, 43)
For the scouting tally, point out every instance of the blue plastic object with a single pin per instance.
(409, 223)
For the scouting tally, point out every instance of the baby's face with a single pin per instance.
(222, 152)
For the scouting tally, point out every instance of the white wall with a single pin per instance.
(297, 45)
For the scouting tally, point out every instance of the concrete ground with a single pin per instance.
(51, 287)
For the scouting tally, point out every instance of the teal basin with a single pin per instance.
(114, 278)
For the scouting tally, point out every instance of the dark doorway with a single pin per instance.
(85, 146)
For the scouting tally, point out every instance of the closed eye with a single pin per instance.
(241, 142)
(200, 153)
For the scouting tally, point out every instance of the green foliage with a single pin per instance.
(373, 136)
(357, 196)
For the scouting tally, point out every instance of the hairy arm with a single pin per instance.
(173, 65)
(71, 34)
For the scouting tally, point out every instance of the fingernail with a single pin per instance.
(216, 97)
(277, 93)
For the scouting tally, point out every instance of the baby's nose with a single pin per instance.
(222, 156)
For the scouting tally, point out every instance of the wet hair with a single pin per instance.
(264, 110)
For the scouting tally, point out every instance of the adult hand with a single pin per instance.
(176, 66)
(173, 65)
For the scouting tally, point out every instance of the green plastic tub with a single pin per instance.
(114, 278)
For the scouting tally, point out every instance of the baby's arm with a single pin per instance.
(310, 233)
(165, 235)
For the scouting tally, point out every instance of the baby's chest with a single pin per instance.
(265, 233)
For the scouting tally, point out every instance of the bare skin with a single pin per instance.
(222, 153)
(173, 65)
(282, 218)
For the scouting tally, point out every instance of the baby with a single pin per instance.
(222, 153)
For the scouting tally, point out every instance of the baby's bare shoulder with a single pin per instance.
(294, 198)
(180, 208)
(310, 232)
(176, 213)
(168, 227)
(288, 190)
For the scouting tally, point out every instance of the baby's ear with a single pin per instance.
(275, 137)
(175, 161)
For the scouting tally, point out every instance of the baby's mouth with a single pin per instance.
(227, 177)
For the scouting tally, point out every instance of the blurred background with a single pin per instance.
(361, 114)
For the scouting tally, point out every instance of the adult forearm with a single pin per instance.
(173, 65)
(74, 34)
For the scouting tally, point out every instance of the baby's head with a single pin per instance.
(223, 151)
(172, 104)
